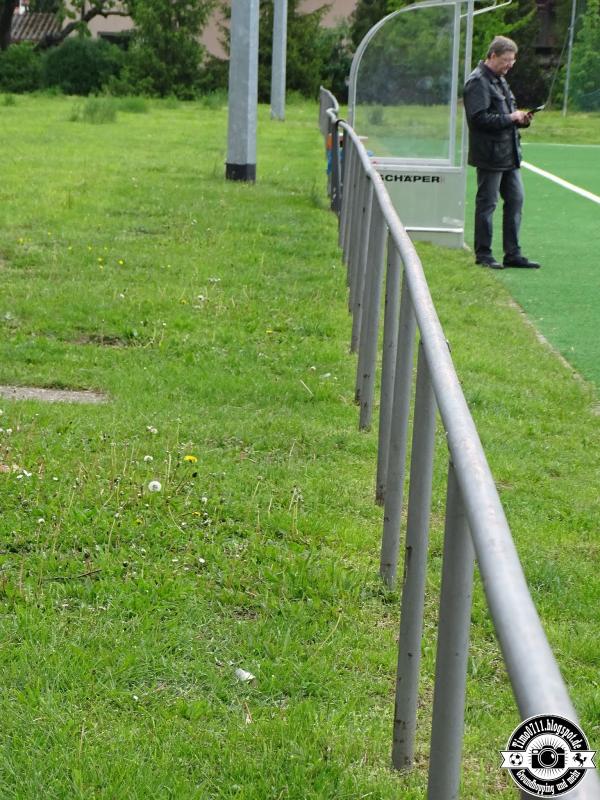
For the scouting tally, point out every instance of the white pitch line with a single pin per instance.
(555, 144)
(565, 184)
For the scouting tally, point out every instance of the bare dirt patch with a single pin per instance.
(51, 395)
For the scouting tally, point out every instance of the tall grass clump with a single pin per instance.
(133, 105)
(95, 110)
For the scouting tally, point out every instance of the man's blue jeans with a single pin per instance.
(490, 185)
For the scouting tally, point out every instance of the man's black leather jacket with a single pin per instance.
(494, 141)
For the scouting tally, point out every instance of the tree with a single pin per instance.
(165, 55)
(7, 10)
(80, 13)
(585, 67)
(366, 14)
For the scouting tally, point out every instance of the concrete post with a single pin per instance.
(243, 91)
(278, 64)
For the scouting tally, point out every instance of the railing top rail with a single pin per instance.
(537, 683)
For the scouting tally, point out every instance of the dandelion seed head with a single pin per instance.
(154, 486)
(148, 459)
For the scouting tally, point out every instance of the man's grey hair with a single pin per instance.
(500, 45)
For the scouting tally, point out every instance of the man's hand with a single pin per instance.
(521, 118)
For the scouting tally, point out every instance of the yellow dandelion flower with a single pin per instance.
(190, 458)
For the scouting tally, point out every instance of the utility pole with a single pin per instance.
(243, 92)
(569, 54)
(280, 8)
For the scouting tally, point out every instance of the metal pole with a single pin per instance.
(415, 570)
(357, 232)
(278, 63)
(367, 351)
(350, 169)
(394, 489)
(452, 649)
(569, 55)
(357, 190)
(357, 284)
(243, 91)
(454, 86)
(336, 172)
(388, 364)
(346, 197)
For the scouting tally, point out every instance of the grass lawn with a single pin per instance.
(214, 316)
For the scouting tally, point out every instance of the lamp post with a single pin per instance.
(569, 54)
(279, 59)
(243, 92)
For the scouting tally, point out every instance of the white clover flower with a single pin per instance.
(151, 429)
(154, 486)
(148, 459)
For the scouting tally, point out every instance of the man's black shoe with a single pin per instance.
(489, 262)
(521, 261)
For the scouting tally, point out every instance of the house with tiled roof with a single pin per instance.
(32, 26)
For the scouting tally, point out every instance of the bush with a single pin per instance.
(214, 75)
(82, 66)
(20, 69)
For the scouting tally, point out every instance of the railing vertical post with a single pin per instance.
(358, 223)
(358, 282)
(452, 649)
(394, 491)
(356, 231)
(348, 197)
(388, 364)
(367, 351)
(415, 569)
(336, 172)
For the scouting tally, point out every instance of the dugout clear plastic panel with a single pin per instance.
(404, 102)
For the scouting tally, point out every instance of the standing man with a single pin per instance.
(494, 148)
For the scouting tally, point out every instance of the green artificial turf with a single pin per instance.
(561, 229)
(213, 314)
(578, 164)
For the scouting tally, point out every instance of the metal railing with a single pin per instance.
(475, 523)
